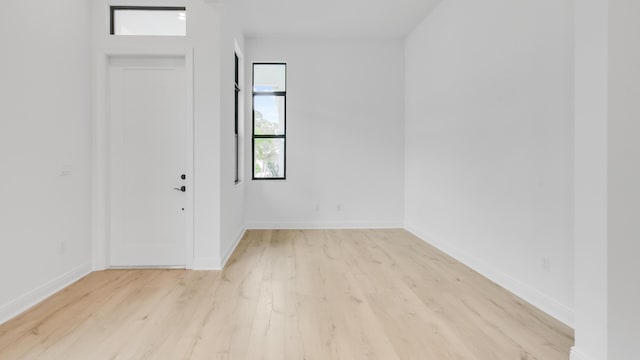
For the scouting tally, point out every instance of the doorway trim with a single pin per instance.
(101, 190)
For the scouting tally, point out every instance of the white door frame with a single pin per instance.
(101, 153)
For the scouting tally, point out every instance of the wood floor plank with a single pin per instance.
(505, 315)
(345, 325)
(293, 294)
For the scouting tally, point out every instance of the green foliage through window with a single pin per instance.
(269, 121)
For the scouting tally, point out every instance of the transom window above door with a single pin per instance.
(148, 20)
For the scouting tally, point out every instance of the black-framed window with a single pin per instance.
(237, 118)
(148, 20)
(269, 102)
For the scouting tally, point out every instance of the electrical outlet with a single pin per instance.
(546, 264)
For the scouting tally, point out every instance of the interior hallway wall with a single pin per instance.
(232, 195)
(624, 180)
(45, 149)
(345, 121)
(489, 142)
(591, 113)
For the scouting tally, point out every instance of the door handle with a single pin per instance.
(181, 188)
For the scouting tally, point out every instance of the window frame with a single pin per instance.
(114, 8)
(237, 117)
(253, 120)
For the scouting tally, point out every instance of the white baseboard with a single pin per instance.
(206, 263)
(24, 302)
(217, 263)
(297, 225)
(227, 254)
(577, 355)
(531, 295)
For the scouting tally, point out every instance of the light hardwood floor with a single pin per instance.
(311, 294)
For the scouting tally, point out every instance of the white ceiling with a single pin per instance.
(333, 18)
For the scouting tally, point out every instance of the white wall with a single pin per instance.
(591, 104)
(232, 196)
(607, 176)
(204, 24)
(45, 117)
(489, 142)
(624, 180)
(344, 135)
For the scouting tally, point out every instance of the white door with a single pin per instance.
(148, 107)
